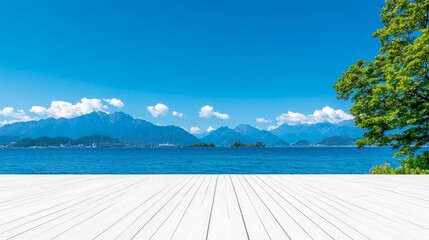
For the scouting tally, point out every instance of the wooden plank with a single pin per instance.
(195, 222)
(226, 219)
(256, 225)
(214, 207)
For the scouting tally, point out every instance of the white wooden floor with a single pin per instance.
(214, 207)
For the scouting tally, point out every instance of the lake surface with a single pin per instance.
(311, 160)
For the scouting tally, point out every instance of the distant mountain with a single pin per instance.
(317, 132)
(259, 135)
(338, 141)
(225, 136)
(91, 140)
(243, 133)
(99, 140)
(301, 143)
(247, 130)
(127, 129)
(118, 125)
(43, 142)
(8, 139)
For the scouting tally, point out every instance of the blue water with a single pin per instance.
(317, 160)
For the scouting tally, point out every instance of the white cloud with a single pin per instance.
(292, 118)
(2, 123)
(210, 128)
(208, 112)
(158, 110)
(17, 116)
(262, 120)
(114, 102)
(7, 111)
(327, 114)
(195, 130)
(59, 109)
(177, 114)
(269, 128)
(38, 110)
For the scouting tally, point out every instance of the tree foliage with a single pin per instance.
(390, 92)
(202, 145)
(238, 144)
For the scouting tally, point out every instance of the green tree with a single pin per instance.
(390, 93)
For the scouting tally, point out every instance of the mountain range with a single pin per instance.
(243, 133)
(125, 128)
(118, 125)
(317, 132)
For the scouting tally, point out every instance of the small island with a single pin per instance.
(238, 144)
(201, 145)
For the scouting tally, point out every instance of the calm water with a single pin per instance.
(193, 160)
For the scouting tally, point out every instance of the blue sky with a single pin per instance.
(246, 59)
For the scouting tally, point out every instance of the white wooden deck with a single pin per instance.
(214, 207)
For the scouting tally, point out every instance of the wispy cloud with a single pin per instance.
(262, 120)
(208, 112)
(269, 128)
(158, 110)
